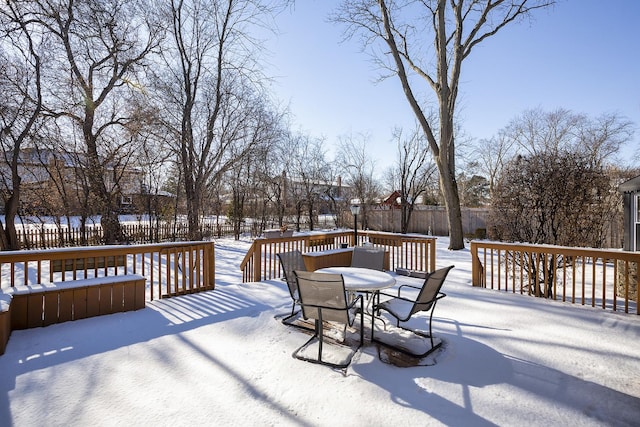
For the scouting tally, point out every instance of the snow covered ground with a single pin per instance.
(220, 358)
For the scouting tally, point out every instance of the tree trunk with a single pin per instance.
(404, 218)
(112, 231)
(364, 216)
(298, 215)
(238, 213)
(310, 212)
(8, 234)
(454, 218)
(449, 188)
(193, 218)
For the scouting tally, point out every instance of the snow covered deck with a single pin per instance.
(220, 357)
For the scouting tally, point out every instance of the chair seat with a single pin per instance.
(400, 309)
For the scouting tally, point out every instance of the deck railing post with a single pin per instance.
(211, 260)
(476, 266)
(257, 260)
(432, 255)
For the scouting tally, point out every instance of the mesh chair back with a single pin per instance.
(323, 296)
(368, 258)
(430, 289)
(290, 262)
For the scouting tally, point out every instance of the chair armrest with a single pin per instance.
(408, 286)
(397, 297)
(440, 295)
(417, 288)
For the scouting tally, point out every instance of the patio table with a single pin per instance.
(358, 279)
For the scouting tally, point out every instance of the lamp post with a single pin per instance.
(355, 210)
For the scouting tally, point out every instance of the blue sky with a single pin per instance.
(582, 55)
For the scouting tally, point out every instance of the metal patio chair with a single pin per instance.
(403, 308)
(291, 261)
(364, 257)
(324, 299)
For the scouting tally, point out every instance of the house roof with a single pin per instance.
(631, 186)
(391, 199)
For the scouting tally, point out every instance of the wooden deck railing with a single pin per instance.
(409, 251)
(597, 277)
(169, 268)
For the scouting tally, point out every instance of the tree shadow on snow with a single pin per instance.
(471, 365)
(34, 349)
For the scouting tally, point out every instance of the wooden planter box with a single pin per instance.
(331, 258)
(42, 305)
(5, 321)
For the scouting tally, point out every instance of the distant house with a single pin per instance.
(49, 176)
(392, 201)
(156, 202)
(294, 189)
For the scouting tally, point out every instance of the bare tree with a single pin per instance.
(209, 86)
(99, 46)
(537, 131)
(309, 177)
(248, 176)
(57, 181)
(20, 106)
(457, 27)
(358, 167)
(412, 174)
(241, 178)
(491, 155)
(474, 190)
(271, 185)
(559, 190)
(275, 184)
(153, 158)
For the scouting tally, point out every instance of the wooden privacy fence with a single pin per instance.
(432, 220)
(597, 277)
(408, 251)
(169, 268)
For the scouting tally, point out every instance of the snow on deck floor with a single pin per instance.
(220, 358)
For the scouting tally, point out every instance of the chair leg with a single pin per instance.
(373, 321)
(285, 320)
(362, 324)
(430, 321)
(293, 313)
(319, 336)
